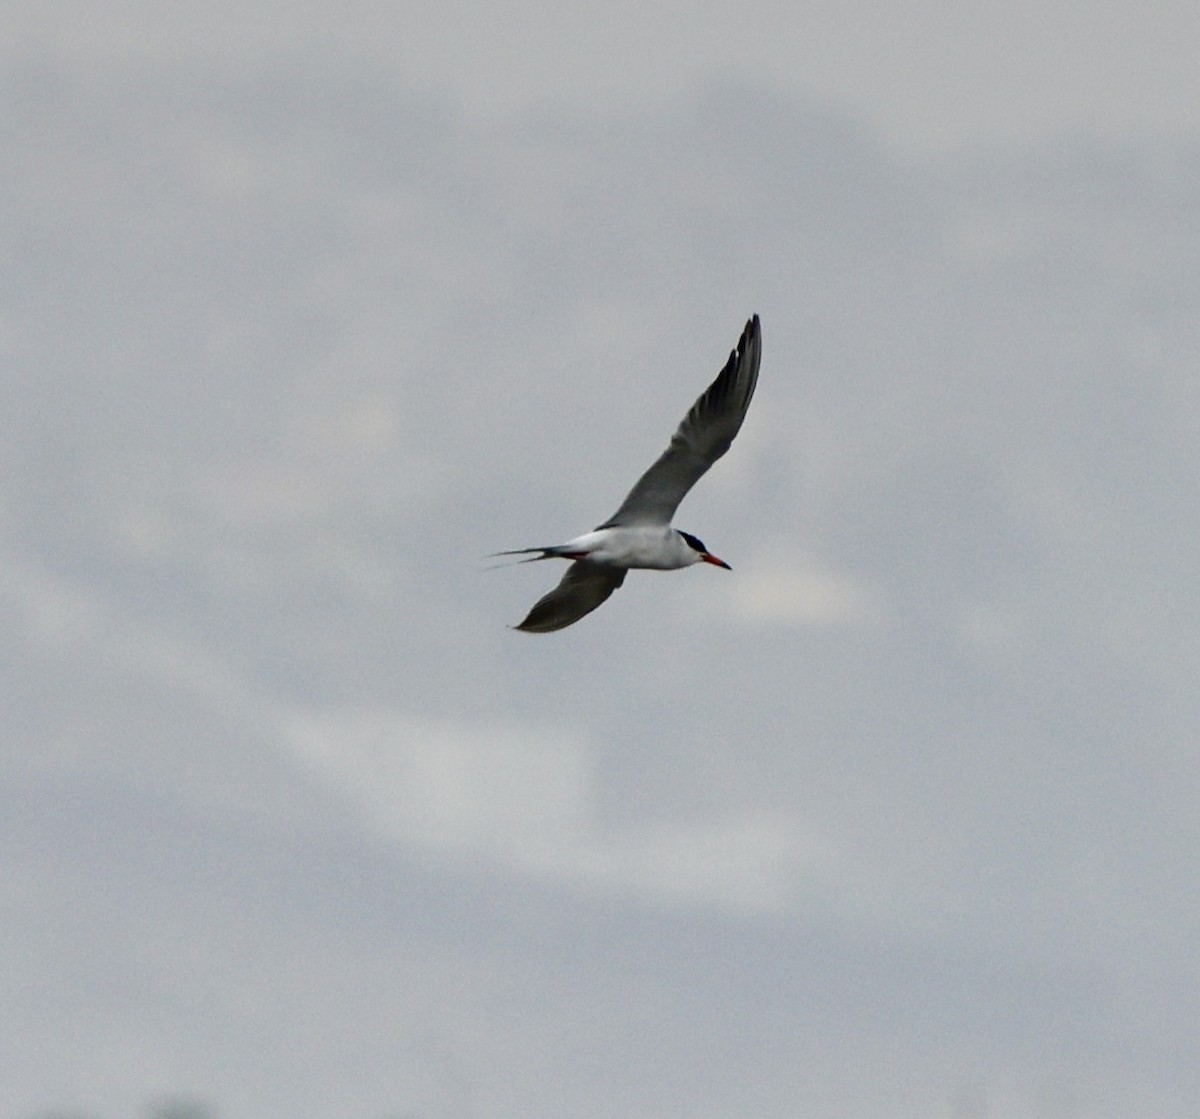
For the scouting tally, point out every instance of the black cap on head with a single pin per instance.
(694, 542)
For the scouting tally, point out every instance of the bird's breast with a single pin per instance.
(650, 546)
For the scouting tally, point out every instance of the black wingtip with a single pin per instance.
(751, 333)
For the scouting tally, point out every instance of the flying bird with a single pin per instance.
(639, 533)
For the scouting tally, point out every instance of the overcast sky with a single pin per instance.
(307, 309)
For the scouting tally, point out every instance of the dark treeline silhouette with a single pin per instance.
(172, 1109)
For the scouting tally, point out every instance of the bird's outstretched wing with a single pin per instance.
(584, 587)
(703, 437)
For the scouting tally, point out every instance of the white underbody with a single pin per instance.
(657, 547)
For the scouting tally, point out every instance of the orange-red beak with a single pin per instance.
(708, 557)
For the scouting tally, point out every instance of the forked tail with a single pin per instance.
(550, 552)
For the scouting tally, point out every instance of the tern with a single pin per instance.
(639, 533)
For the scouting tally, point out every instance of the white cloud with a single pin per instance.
(525, 798)
(804, 594)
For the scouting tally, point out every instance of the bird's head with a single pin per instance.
(703, 555)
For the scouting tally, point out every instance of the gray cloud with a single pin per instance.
(294, 823)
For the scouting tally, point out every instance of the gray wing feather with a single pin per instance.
(584, 587)
(703, 437)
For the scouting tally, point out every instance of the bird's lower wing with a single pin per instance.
(584, 587)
